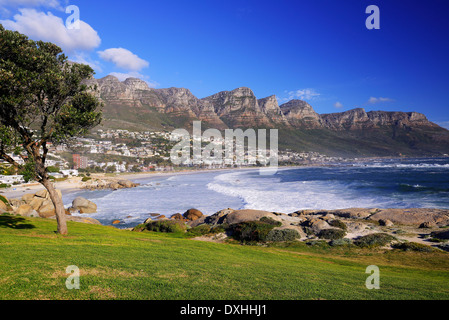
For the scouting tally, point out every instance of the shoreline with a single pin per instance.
(74, 184)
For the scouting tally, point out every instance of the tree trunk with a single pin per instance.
(59, 206)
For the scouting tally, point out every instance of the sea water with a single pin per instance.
(388, 183)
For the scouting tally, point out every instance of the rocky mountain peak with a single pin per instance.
(136, 84)
(299, 112)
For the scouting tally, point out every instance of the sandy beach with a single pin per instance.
(74, 183)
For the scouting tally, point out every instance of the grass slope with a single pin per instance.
(117, 264)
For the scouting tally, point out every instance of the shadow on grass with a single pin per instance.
(14, 223)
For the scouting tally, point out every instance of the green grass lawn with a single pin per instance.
(117, 264)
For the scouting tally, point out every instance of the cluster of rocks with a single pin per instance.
(188, 217)
(82, 205)
(409, 224)
(31, 205)
(108, 183)
(39, 205)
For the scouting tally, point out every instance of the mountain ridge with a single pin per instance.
(132, 103)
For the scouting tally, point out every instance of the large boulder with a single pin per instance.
(87, 220)
(192, 214)
(354, 213)
(177, 216)
(27, 198)
(239, 216)
(26, 210)
(127, 184)
(318, 225)
(3, 206)
(415, 217)
(47, 209)
(84, 206)
(45, 195)
(42, 194)
(36, 203)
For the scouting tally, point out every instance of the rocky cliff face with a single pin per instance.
(301, 114)
(132, 104)
(241, 108)
(360, 119)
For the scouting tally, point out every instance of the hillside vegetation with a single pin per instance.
(118, 264)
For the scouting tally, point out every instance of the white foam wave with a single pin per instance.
(401, 165)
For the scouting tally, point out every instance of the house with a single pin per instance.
(68, 173)
(16, 179)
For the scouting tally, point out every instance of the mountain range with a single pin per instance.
(133, 105)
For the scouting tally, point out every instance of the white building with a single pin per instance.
(68, 173)
(11, 179)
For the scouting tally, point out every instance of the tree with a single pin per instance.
(43, 100)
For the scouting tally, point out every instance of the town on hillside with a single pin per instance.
(123, 151)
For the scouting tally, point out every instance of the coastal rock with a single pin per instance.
(385, 223)
(218, 217)
(246, 215)
(84, 206)
(355, 213)
(86, 220)
(27, 198)
(317, 225)
(108, 183)
(192, 214)
(418, 216)
(47, 209)
(42, 194)
(426, 225)
(127, 184)
(3, 206)
(26, 210)
(16, 203)
(36, 203)
(177, 216)
(440, 234)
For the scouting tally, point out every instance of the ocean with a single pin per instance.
(386, 183)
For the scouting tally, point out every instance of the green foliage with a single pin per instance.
(374, 240)
(53, 169)
(282, 235)
(28, 171)
(123, 265)
(221, 228)
(338, 224)
(166, 226)
(332, 234)
(341, 242)
(251, 231)
(85, 179)
(43, 100)
(413, 246)
(318, 243)
(198, 231)
(4, 185)
(3, 199)
(271, 221)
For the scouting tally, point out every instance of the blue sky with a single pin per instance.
(316, 50)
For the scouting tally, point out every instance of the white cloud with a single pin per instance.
(303, 94)
(56, 4)
(50, 28)
(83, 58)
(124, 76)
(374, 100)
(338, 105)
(123, 59)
